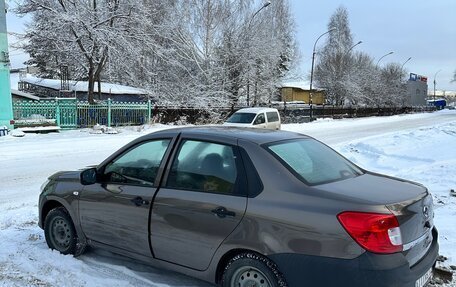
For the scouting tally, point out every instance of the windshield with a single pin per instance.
(241, 118)
(313, 162)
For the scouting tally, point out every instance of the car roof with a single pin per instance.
(256, 110)
(258, 136)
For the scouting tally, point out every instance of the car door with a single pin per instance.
(260, 121)
(200, 204)
(115, 210)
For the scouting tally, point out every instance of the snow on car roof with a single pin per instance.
(256, 110)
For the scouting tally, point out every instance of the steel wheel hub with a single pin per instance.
(249, 277)
(61, 233)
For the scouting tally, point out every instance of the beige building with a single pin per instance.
(299, 91)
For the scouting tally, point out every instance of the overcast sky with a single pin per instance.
(423, 30)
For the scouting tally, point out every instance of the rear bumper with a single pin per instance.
(368, 269)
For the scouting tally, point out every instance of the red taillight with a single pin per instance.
(375, 232)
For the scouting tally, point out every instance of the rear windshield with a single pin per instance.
(241, 118)
(313, 162)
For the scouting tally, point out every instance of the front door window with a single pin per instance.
(260, 119)
(138, 165)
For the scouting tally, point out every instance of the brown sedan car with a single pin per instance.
(245, 207)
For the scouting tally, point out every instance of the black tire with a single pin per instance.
(251, 269)
(60, 232)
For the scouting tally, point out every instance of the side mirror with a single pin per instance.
(89, 176)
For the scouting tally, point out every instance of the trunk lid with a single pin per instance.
(410, 202)
(374, 189)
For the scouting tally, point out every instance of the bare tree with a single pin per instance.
(334, 60)
(227, 52)
(185, 52)
(352, 78)
(394, 88)
(362, 81)
(78, 33)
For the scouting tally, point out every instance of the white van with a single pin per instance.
(263, 118)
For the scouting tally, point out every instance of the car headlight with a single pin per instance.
(43, 186)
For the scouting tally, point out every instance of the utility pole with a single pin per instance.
(266, 4)
(435, 75)
(6, 104)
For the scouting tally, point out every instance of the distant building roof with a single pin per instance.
(303, 85)
(82, 86)
(20, 94)
(440, 93)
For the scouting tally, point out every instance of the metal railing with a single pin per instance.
(70, 113)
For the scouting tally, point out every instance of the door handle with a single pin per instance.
(138, 201)
(222, 212)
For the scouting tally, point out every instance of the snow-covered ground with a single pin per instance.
(419, 147)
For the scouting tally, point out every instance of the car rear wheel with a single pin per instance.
(252, 270)
(59, 231)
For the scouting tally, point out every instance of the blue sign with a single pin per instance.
(415, 77)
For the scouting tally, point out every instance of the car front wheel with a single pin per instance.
(252, 270)
(59, 231)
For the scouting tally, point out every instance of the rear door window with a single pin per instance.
(272, 116)
(204, 166)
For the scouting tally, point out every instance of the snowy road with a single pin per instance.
(352, 129)
(419, 147)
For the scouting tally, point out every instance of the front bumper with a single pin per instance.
(368, 269)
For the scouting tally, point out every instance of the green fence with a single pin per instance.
(70, 113)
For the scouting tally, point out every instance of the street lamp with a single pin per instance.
(435, 75)
(351, 48)
(402, 68)
(405, 62)
(384, 56)
(312, 70)
(348, 51)
(266, 4)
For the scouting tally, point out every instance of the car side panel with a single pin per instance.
(66, 193)
(109, 216)
(185, 231)
(283, 216)
(117, 214)
(183, 226)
